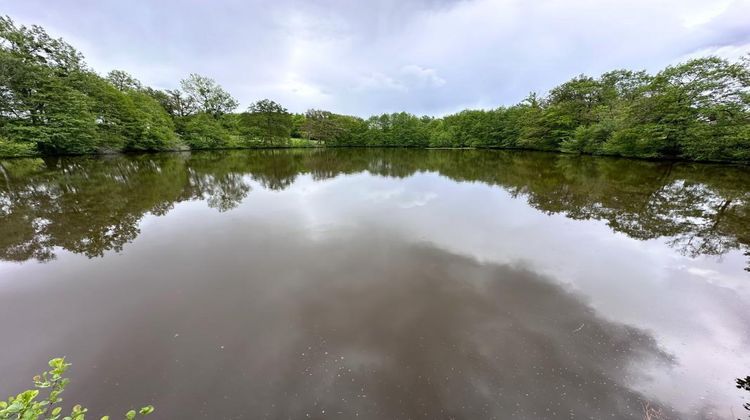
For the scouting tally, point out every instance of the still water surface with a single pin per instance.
(378, 283)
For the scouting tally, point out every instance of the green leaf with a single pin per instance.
(29, 395)
(130, 415)
(15, 407)
(147, 410)
(57, 362)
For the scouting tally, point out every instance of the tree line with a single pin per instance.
(52, 103)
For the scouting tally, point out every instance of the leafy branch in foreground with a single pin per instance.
(29, 405)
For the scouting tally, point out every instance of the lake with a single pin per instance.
(378, 283)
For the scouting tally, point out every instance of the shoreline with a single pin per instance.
(506, 149)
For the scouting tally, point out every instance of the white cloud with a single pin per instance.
(422, 77)
(379, 81)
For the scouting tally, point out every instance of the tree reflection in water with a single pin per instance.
(89, 205)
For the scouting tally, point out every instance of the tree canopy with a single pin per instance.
(203, 94)
(268, 122)
(52, 103)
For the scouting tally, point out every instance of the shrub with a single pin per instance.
(29, 405)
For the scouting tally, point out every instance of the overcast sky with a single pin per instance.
(374, 56)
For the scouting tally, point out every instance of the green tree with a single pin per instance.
(268, 121)
(320, 126)
(203, 94)
(696, 110)
(349, 131)
(203, 131)
(38, 105)
(153, 128)
(534, 130)
(32, 45)
(407, 130)
(123, 81)
(298, 124)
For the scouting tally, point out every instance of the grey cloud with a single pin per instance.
(426, 56)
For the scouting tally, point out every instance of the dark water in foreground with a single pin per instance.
(378, 284)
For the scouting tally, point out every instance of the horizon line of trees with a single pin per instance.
(52, 103)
